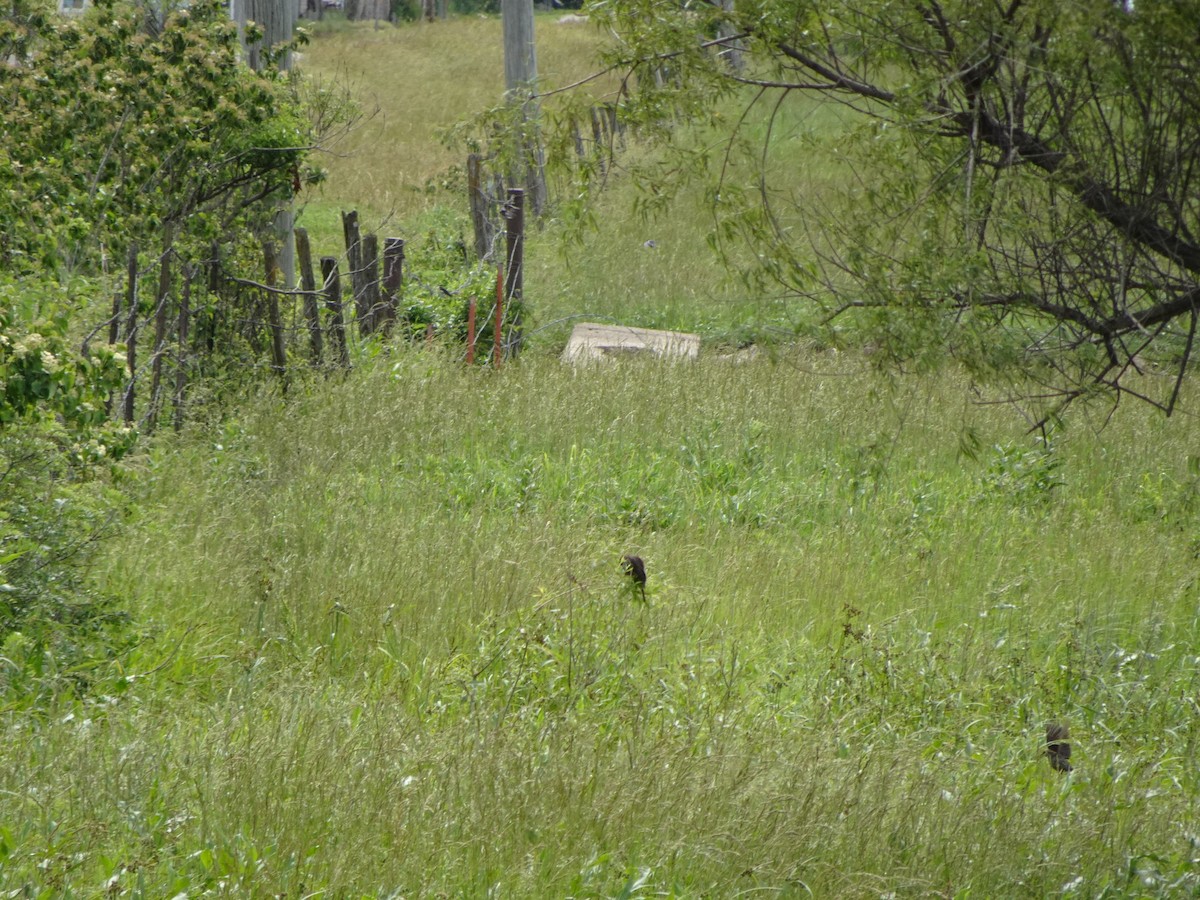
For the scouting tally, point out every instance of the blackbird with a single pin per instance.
(635, 568)
(1058, 750)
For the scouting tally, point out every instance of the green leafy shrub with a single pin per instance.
(442, 283)
(1023, 474)
(58, 456)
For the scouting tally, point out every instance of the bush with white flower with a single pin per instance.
(59, 454)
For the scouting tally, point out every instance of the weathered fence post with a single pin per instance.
(358, 290)
(577, 137)
(278, 347)
(616, 127)
(481, 220)
(160, 335)
(393, 280)
(333, 302)
(598, 140)
(514, 287)
(114, 324)
(371, 296)
(308, 284)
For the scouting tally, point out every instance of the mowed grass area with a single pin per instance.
(392, 651)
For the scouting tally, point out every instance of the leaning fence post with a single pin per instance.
(514, 288)
(308, 284)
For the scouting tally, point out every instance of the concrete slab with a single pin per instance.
(593, 341)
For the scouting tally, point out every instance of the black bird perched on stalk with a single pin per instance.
(635, 568)
(1058, 749)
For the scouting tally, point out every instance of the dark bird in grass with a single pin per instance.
(1058, 749)
(635, 568)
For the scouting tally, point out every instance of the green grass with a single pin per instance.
(392, 652)
(389, 650)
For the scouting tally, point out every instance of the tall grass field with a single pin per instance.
(389, 649)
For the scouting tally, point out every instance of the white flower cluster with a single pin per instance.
(31, 343)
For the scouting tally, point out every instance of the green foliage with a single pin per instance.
(57, 455)
(976, 217)
(43, 377)
(1026, 476)
(388, 622)
(444, 277)
(58, 631)
(127, 132)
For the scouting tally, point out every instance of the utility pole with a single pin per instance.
(520, 77)
(278, 22)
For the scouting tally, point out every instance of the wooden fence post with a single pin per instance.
(371, 296)
(350, 230)
(308, 284)
(274, 320)
(114, 325)
(393, 280)
(333, 302)
(160, 335)
(514, 287)
(485, 230)
(598, 141)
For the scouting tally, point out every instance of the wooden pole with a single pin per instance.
(485, 230)
(520, 77)
(598, 141)
(393, 280)
(514, 288)
(371, 296)
(727, 33)
(160, 334)
(114, 326)
(274, 319)
(277, 20)
(350, 231)
(308, 283)
(333, 302)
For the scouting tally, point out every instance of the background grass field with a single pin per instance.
(390, 650)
